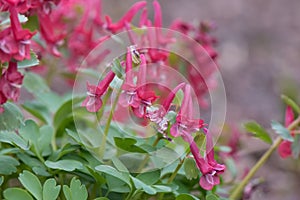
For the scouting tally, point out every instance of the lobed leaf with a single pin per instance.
(258, 131)
(282, 131)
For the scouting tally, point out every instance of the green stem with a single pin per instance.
(239, 189)
(174, 174)
(105, 99)
(147, 157)
(107, 126)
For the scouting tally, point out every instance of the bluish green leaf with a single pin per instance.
(1, 180)
(190, 169)
(32, 184)
(76, 191)
(149, 178)
(258, 131)
(33, 61)
(123, 176)
(11, 118)
(101, 198)
(119, 165)
(282, 131)
(14, 139)
(8, 165)
(162, 188)
(142, 186)
(44, 141)
(16, 194)
(66, 165)
(296, 147)
(38, 110)
(117, 68)
(50, 190)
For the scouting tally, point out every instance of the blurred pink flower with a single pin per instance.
(93, 101)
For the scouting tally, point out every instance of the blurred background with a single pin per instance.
(259, 55)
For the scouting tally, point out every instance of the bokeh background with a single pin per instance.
(259, 47)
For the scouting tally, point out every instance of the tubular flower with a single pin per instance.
(136, 95)
(185, 124)
(10, 84)
(14, 40)
(157, 115)
(127, 18)
(93, 101)
(285, 148)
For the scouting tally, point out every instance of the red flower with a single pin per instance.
(285, 148)
(120, 25)
(157, 115)
(93, 101)
(10, 84)
(136, 95)
(185, 124)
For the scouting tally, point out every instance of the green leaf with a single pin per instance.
(35, 84)
(149, 178)
(11, 118)
(211, 197)
(190, 169)
(16, 193)
(142, 186)
(123, 176)
(50, 190)
(162, 188)
(282, 131)
(32, 184)
(258, 131)
(186, 197)
(230, 165)
(288, 101)
(8, 165)
(101, 198)
(1, 180)
(119, 165)
(117, 68)
(128, 144)
(33, 61)
(44, 141)
(66, 165)
(38, 110)
(14, 139)
(296, 147)
(76, 191)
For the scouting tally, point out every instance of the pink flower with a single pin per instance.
(210, 173)
(158, 115)
(93, 101)
(285, 148)
(10, 84)
(136, 95)
(185, 124)
(14, 40)
(127, 18)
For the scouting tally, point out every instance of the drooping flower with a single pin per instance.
(127, 18)
(185, 123)
(10, 84)
(136, 96)
(285, 147)
(158, 114)
(210, 174)
(93, 101)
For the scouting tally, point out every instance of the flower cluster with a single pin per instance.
(139, 99)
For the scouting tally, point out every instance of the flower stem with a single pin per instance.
(239, 189)
(107, 126)
(147, 157)
(105, 99)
